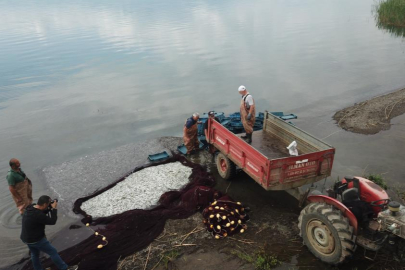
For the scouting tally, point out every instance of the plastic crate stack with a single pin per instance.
(231, 122)
(234, 124)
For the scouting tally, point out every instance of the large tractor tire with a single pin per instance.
(327, 233)
(226, 168)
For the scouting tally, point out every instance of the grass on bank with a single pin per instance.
(391, 13)
(260, 259)
(169, 257)
(378, 179)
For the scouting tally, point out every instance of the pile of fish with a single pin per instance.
(140, 190)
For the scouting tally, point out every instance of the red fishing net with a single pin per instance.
(225, 217)
(134, 230)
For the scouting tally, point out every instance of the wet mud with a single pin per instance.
(272, 230)
(372, 116)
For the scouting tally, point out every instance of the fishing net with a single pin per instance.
(225, 217)
(135, 229)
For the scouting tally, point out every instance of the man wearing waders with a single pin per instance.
(190, 134)
(247, 113)
(19, 185)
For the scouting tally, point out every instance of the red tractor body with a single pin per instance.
(357, 212)
(370, 192)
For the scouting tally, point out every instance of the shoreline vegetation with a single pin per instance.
(390, 15)
(391, 12)
(373, 115)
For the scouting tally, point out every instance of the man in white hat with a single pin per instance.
(247, 113)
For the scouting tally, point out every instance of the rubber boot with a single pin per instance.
(249, 138)
(244, 136)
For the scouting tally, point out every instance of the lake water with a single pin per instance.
(79, 77)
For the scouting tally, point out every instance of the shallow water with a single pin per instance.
(81, 77)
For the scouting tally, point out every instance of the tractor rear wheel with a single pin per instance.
(326, 233)
(226, 168)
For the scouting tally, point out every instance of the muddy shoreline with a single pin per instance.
(373, 115)
(272, 232)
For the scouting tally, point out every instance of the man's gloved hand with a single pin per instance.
(249, 116)
(55, 204)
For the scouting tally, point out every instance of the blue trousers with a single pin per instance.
(46, 247)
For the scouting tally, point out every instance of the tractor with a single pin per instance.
(356, 212)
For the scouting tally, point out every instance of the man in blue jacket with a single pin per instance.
(35, 218)
(190, 133)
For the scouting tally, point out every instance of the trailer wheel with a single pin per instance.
(226, 168)
(326, 233)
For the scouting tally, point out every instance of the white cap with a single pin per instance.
(241, 88)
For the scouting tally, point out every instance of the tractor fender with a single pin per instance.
(345, 211)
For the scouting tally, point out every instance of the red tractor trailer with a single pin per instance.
(355, 212)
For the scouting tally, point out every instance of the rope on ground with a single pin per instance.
(226, 191)
(184, 245)
(393, 106)
(331, 134)
(193, 231)
(156, 265)
(147, 259)
(247, 241)
(358, 106)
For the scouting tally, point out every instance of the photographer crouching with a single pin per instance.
(35, 217)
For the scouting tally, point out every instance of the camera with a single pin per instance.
(54, 200)
(51, 202)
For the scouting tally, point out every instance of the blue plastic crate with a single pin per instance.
(159, 156)
(219, 115)
(279, 114)
(226, 122)
(182, 148)
(234, 115)
(238, 131)
(200, 127)
(260, 116)
(289, 116)
(237, 124)
(204, 118)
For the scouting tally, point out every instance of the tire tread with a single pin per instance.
(340, 224)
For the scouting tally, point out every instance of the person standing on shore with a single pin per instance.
(34, 220)
(19, 185)
(247, 113)
(190, 133)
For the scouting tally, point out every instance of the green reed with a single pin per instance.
(391, 13)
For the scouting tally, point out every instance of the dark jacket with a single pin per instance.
(33, 223)
(190, 122)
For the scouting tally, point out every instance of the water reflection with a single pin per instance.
(393, 30)
(80, 77)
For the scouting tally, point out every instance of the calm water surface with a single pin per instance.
(78, 77)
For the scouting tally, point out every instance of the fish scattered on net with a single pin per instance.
(134, 230)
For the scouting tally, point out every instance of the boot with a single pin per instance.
(244, 136)
(249, 138)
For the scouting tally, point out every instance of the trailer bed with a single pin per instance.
(267, 160)
(268, 144)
